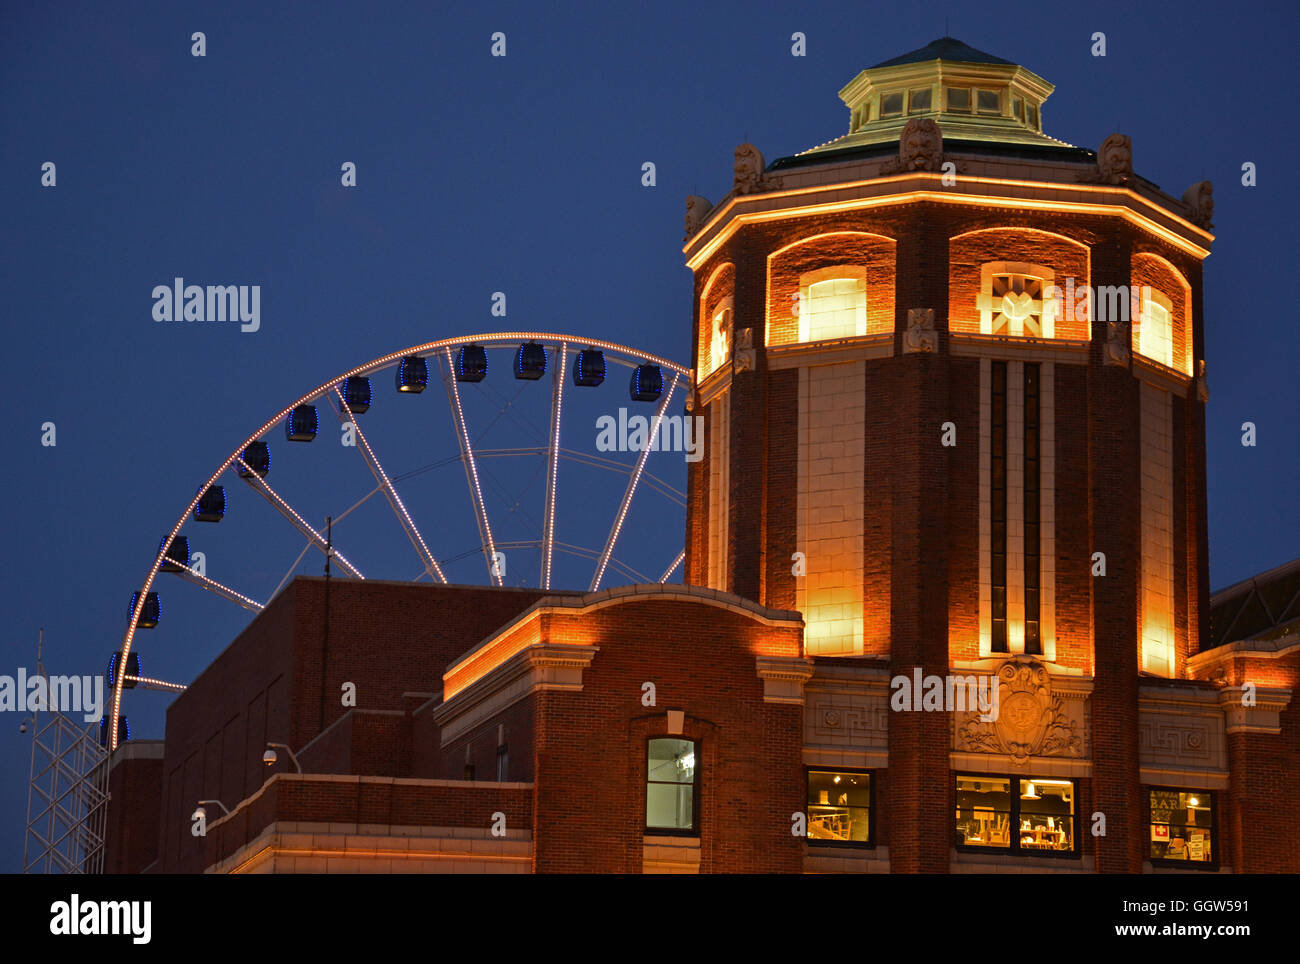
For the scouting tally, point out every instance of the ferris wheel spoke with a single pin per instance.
(278, 503)
(632, 481)
(612, 465)
(471, 468)
(553, 465)
(673, 568)
(225, 592)
(344, 413)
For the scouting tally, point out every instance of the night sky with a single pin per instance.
(520, 174)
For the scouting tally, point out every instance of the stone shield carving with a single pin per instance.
(1032, 720)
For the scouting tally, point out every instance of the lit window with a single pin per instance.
(959, 100)
(672, 783)
(720, 342)
(988, 101)
(1155, 328)
(1182, 826)
(839, 807)
(1017, 815)
(1017, 300)
(833, 303)
(918, 100)
(891, 105)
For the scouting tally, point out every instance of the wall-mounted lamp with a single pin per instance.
(269, 757)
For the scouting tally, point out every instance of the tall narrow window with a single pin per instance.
(503, 764)
(1155, 334)
(1033, 540)
(720, 342)
(672, 782)
(998, 505)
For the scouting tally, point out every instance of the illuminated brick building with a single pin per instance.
(952, 371)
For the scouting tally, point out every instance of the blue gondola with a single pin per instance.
(412, 375)
(647, 383)
(177, 556)
(123, 731)
(212, 505)
(471, 363)
(301, 424)
(257, 458)
(356, 392)
(149, 614)
(132, 669)
(589, 369)
(530, 361)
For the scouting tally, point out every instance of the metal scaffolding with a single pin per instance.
(67, 798)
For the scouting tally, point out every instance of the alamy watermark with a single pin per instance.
(181, 302)
(56, 694)
(661, 433)
(946, 693)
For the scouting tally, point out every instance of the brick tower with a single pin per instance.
(953, 378)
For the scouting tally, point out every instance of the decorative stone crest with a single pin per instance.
(1202, 386)
(1031, 719)
(920, 334)
(742, 356)
(1199, 199)
(750, 177)
(1114, 162)
(697, 212)
(1116, 350)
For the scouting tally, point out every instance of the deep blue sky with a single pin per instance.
(476, 175)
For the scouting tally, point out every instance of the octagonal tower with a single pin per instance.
(952, 371)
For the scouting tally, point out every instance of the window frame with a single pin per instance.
(1211, 865)
(901, 94)
(870, 843)
(695, 785)
(1013, 839)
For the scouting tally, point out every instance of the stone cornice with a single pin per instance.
(1262, 716)
(784, 677)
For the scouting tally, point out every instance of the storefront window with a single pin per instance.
(1022, 815)
(1182, 826)
(672, 779)
(839, 807)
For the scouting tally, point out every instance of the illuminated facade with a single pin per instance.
(952, 371)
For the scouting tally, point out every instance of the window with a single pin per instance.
(839, 807)
(891, 105)
(469, 771)
(1031, 116)
(998, 505)
(1017, 815)
(988, 101)
(503, 764)
(833, 303)
(1018, 108)
(672, 784)
(1032, 511)
(1155, 334)
(918, 100)
(720, 342)
(959, 100)
(1017, 299)
(1182, 827)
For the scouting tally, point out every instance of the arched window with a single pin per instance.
(1017, 299)
(1155, 327)
(720, 342)
(833, 303)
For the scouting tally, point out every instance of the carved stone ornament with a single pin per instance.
(750, 177)
(1199, 199)
(1202, 386)
(1114, 162)
(920, 147)
(1116, 351)
(697, 212)
(742, 357)
(1031, 719)
(920, 334)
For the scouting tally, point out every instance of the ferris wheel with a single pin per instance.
(494, 418)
